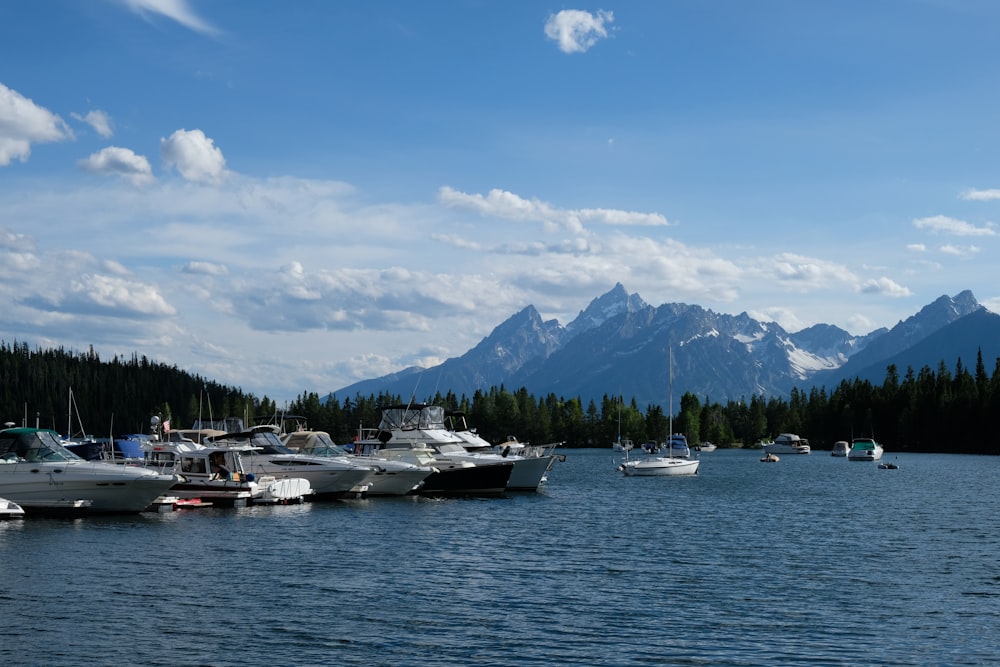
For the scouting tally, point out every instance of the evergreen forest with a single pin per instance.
(929, 410)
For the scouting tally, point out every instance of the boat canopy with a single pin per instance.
(410, 417)
(33, 445)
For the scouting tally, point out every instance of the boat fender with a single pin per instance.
(505, 452)
(250, 477)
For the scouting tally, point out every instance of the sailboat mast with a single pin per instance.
(670, 403)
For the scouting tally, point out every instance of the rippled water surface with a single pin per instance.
(810, 561)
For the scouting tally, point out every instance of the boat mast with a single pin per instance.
(670, 404)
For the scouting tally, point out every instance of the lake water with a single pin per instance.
(809, 561)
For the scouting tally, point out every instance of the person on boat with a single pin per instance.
(219, 471)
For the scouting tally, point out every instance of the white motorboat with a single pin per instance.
(787, 443)
(264, 455)
(865, 449)
(38, 473)
(451, 477)
(391, 478)
(706, 447)
(532, 463)
(422, 424)
(208, 475)
(10, 510)
(840, 449)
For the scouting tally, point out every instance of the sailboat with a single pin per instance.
(620, 445)
(658, 466)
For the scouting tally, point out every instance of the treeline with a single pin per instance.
(942, 410)
(925, 411)
(75, 393)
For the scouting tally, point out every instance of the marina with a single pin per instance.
(759, 571)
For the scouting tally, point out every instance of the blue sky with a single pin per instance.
(292, 196)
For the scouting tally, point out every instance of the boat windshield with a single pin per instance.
(30, 445)
(269, 443)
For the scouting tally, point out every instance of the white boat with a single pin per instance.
(264, 455)
(659, 466)
(532, 463)
(38, 473)
(840, 449)
(769, 458)
(421, 424)
(787, 443)
(623, 445)
(283, 491)
(391, 478)
(10, 510)
(706, 447)
(209, 475)
(865, 449)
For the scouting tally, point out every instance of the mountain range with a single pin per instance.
(619, 345)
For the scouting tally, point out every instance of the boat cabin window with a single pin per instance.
(193, 465)
(29, 445)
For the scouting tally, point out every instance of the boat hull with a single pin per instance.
(81, 486)
(476, 480)
(660, 467)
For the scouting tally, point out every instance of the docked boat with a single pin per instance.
(209, 474)
(10, 510)
(391, 478)
(787, 443)
(38, 473)
(840, 449)
(532, 463)
(264, 454)
(450, 477)
(865, 449)
(421, 425)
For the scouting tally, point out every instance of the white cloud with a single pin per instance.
(959, 251)
(944, 224)
(194, 155)
(176, 10)
(206, 268)
(97, 119)
(575, 30)
(502, 204)
(916, 247)
(120, 161)
(806, 272)
(885, 287)
(981, 195)
(22, 123)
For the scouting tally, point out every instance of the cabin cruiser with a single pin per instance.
(38, 473)
(452, 477)
(264, 454)
(787, 443)
(840, 448)
(407, 425)
(209, 475)
(391, 478)
(865, 449)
